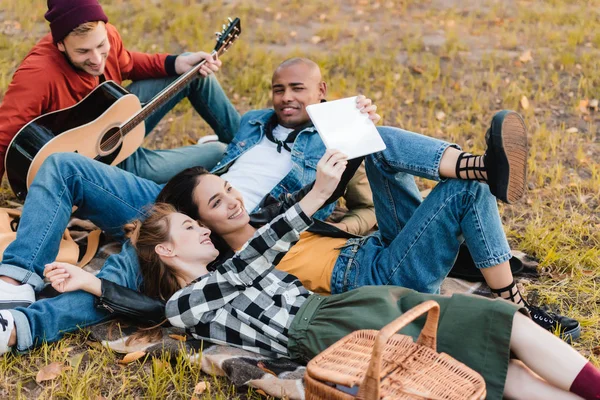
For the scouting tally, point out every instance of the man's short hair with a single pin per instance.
(84, 28)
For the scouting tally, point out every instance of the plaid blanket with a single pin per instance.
(279, 378)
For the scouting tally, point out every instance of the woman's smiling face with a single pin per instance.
(188, 241)
(220, 206)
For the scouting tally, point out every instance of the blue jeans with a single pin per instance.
(418, 242)
(109, 197)
(209, 100)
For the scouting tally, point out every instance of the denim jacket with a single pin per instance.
(307, 150)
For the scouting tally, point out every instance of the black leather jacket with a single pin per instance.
(133, 305)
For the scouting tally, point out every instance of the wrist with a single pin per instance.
(92, 285)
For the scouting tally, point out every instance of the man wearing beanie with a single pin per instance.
(82, 51)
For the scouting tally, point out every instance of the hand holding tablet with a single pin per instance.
(343, 127)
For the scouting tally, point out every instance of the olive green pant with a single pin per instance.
(472, 329)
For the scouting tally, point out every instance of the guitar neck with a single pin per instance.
(161, 98)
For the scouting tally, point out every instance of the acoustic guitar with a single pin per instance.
(107, 125)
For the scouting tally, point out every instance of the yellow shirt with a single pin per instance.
(312, 260)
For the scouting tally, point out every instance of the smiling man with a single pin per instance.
(81, 52)
(276, 150)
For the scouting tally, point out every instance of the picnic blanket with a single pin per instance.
(280, 378)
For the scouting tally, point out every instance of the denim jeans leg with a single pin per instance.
(209, 100)
(47, 320)
(161, 165)
(106, 195)
(424, 251)
(390, 173)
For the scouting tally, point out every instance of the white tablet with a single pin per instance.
(343, 127)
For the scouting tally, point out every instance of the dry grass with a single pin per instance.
(414, 58)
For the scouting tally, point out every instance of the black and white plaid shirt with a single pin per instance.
(246, 302)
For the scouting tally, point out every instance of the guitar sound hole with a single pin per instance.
(110, 140)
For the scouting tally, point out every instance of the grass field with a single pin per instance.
(440, 67)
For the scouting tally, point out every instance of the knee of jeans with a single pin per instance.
(62, 163)
(210, 80)
(474, 189)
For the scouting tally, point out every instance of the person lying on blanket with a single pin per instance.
(245, 302)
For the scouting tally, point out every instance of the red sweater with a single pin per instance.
(45, 82)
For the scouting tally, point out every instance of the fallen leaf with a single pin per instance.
(261, 392)
(558, 277)
(131, 357)
(525, 57)
(76, 359)
(572, 130)
(417, 69)
(583, 106)
(201, 387)
(51, 371)
(261, 365)
(594, 104)
(316, 39)
(95, 345)
(293, 33)
(524, 102)
(596, 350)
(588, 272)
(409, 101)
(440, 115)
(181, 338)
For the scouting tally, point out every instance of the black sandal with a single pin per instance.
(472, 166)
(513, 292)
(506, 156)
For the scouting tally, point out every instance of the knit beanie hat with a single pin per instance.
(66, 15)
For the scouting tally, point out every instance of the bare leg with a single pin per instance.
(522, 383)
(12, 340)
(448, 162)
(545, 354)
(448, 165)
(500, 276)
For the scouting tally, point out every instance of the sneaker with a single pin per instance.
(12, 296)
(506, 156)
(7, 324)
(567, 328)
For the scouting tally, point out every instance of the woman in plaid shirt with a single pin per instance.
(247, 303)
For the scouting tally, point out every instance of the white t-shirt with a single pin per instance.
(256, 172)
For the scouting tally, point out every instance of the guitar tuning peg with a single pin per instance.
(218, 34)
(230, 20)
(224, 27)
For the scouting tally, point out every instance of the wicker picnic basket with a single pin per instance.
(388, 365)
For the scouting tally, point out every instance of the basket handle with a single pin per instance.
(369, 390)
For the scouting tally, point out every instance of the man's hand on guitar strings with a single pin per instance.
(185, 62)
